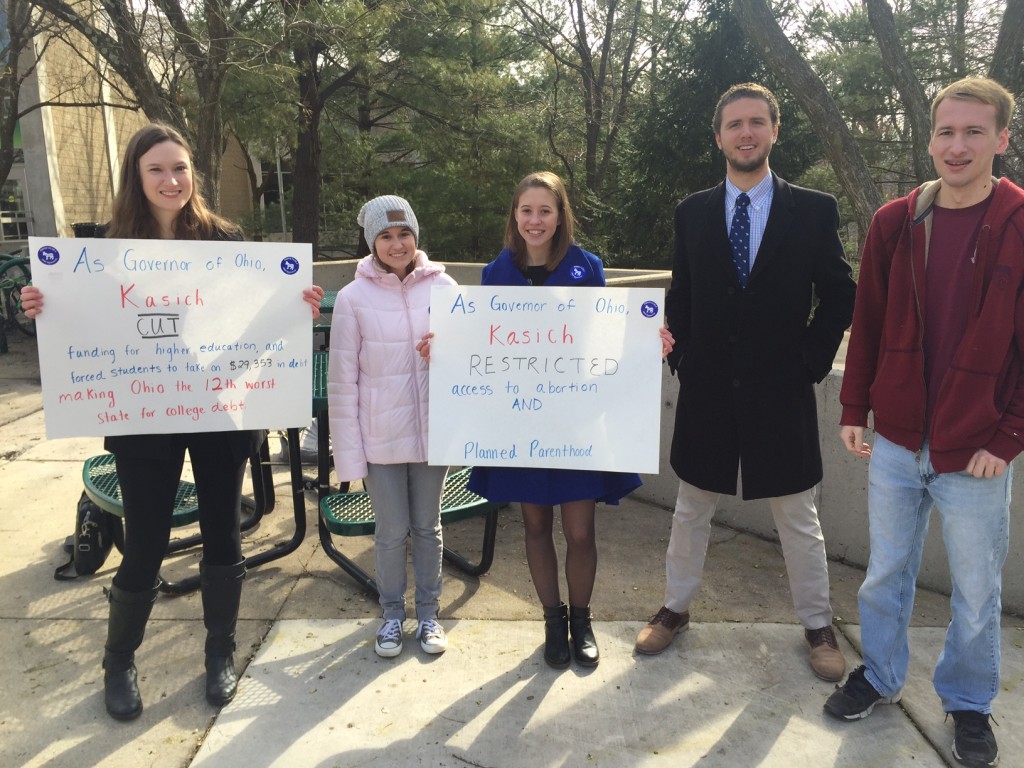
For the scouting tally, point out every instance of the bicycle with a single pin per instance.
(14, 275)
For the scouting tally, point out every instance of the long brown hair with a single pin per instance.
(566, 223)
(132, 216)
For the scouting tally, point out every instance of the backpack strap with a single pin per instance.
(67, 571)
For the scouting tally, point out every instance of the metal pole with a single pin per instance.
(280, 190)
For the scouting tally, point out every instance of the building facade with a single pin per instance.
(67, 166)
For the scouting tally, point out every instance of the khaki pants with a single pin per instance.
(796, 519)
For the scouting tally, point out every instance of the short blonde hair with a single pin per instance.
(983, 90)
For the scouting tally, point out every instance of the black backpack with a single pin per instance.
(96, 532)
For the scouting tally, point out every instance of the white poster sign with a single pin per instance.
(160, 336)
(546, 377)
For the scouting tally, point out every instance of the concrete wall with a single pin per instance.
(332, 275)
(73, 160)
(842, 498)
(72, 154)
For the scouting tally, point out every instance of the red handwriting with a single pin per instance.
(110, 416)
(191, 411)
(192, 299)
(89, 394)
(501, 338)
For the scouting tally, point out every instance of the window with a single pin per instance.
(13, 216)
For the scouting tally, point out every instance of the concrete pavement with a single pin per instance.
(733, 691)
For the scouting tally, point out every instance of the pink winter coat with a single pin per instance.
(377, 381)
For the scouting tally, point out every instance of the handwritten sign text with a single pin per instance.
(156, 336)
(546, 377)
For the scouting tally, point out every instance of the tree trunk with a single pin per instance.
(958, 44)
(901, 73)
(1007, 58)
(18, 39)
(770, 42)
(592, 93)
(306, 178)
(210, 68)
(208, 145)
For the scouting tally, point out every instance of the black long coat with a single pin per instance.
(747, 358)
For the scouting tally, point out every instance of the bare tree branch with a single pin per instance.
(19, 33)
(779, 54)
(897, 66)
(599, 43)
(133, 34)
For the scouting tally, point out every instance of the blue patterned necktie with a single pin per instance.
(739, 238)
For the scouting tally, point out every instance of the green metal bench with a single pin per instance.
(351, 514)
(99, 475)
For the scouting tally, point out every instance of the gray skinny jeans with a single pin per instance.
(407, 500)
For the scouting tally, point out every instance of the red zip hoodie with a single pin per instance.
(981, 400)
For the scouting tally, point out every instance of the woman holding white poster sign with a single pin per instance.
(539, 250)
(158, 197)
(377, 400)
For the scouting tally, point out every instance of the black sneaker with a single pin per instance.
(974, 743)
(856, 698)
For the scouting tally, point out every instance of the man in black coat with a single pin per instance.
(751, 256)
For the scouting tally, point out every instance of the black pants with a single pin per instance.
(148, 487)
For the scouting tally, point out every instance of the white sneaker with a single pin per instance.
(431, 636)
(389, 638)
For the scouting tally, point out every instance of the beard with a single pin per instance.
(746, 166)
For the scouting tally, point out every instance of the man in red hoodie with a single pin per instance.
(937, 355)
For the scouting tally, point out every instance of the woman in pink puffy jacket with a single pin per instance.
(377, 399)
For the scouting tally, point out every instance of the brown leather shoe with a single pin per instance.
(826, 659)
(658, 634)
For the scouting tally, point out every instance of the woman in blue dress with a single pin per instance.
(539, 250)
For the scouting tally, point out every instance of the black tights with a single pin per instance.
(580, 551)
(148, 488)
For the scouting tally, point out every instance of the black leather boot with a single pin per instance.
(584, 644)
(556, 636)
(222, 590)
(126, 625)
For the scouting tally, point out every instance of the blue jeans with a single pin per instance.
(975, 516)
(407, 502)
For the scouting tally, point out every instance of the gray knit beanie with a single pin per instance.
(386, 211)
